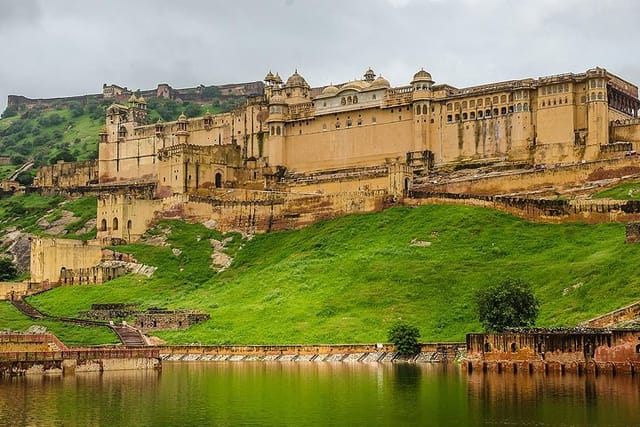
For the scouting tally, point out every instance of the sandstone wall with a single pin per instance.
(50, 255)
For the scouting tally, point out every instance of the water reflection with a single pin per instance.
(555, 400)
(294, 394)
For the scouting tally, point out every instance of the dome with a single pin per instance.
(141, 100)
(268, 77)
(133, 99)
(381, 82)
(276, 99)
(422, 75)
(296, 80)
(182, 117)
(277, 79)
(330, 90)
(355, 85)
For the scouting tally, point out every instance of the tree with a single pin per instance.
(404, 337)
(509, 304)
(7, 269)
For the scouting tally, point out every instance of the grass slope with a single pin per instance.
(10, 318)
(348, 279)
(24, 211)
(626, 191)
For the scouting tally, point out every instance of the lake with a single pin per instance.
(318, 394)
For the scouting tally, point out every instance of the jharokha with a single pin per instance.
(296, 154)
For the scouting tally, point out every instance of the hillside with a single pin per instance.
(70, 130)
(348, 279)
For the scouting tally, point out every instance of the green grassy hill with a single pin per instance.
(347, 280)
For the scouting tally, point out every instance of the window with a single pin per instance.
(472, 115)
(449, 118)
(373, 96)
(418, 109)
(218, 180)
(373, 119)
(479, 102)
(600, 96)
(480, 114)
(503, 110)
(129, 225)
(519, 108)
(457, 117)
(103, 225)
(525, 107)
(599, 83)
(495, 111)
(592, 84)
(495, 99)
(449, 106)
(472, 103)
(503, 98)
(277, 130)
(424, 109)
(115, 224)
(487, 101)
(464, 116)
(348, 123)
(487, 113)
(456, 106)
(324, 126)
(464, 105)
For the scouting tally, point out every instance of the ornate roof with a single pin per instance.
(296, 80)
(422, 75)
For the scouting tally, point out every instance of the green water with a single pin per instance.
(318, 394)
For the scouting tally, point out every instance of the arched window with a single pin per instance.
(480, 114)
(600, 95)
(503, 98)
(525, 107)
(115, 224)
(218, 180)
(418, 109)
(519, 108)
(472, 115)
(273, 130)
(103, 225)
(487, 113)
(503, 110)
(424, 109)
(129, 225)
(278, 130)
(464, 116)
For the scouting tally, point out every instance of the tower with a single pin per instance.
(421, 96)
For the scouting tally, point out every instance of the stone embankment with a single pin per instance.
(366, 353)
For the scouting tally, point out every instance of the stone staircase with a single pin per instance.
(131, 337)
(128, 335)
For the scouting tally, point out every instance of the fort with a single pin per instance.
(295, 154)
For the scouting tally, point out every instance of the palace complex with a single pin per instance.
(296, 154)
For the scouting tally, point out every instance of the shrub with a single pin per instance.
(508, 304)
(7, 269)
(404, 337)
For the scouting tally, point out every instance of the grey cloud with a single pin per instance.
(71, 46)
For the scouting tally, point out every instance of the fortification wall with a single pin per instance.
(13, 290)
(556, 177)
(540, 210)
(67, 175)
(627, 130)
(49, 256)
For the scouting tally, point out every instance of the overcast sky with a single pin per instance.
(64, 47)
